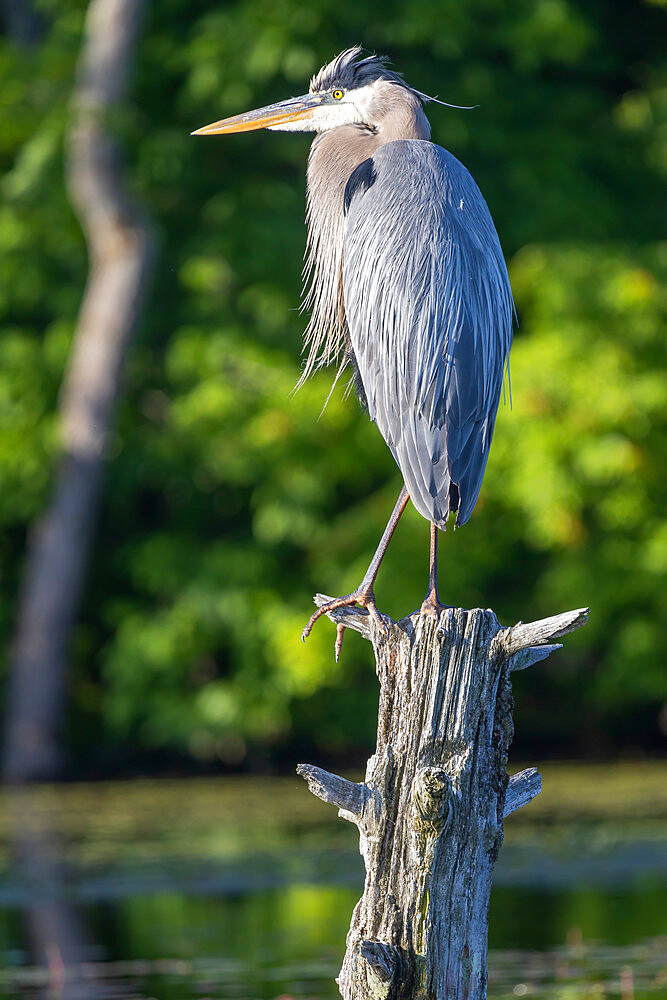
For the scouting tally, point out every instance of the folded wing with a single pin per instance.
(430, 315)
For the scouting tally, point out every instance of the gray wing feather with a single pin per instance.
(430, 314)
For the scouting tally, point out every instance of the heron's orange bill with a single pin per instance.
(275, 114)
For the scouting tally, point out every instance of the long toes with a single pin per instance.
(365, 600)
(339, 602)
(377, 617)
(340, 632)
(311, 621)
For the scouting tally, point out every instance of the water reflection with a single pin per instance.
(55, 929)
(247, 889)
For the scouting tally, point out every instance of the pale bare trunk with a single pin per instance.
(120, 251)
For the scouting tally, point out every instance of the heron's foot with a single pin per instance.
(431, 605)
(366, 598)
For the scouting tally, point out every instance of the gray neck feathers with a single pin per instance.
(334, 155)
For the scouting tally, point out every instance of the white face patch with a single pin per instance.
(300, 125)
(363, 99)
(352, 109)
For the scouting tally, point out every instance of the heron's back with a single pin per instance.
(430, 313)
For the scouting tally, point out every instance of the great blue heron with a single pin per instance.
(408, 286)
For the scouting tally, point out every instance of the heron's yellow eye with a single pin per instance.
(337, 94)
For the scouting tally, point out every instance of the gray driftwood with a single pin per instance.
(430, 811)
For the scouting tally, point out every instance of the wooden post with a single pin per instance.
(430, 812)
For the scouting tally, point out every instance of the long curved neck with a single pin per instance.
(334, 155)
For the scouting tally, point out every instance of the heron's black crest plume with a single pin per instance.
(352, 69)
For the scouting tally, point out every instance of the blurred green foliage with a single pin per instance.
(229, 501)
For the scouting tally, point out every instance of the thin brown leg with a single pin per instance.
(364, 594)
(431, 604)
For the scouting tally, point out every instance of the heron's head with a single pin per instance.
(350, 90)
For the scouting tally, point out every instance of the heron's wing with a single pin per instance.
(430, 314)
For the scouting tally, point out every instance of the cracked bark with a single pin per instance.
(430, 811)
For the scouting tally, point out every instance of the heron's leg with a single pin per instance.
(364, 594)
(431, 604)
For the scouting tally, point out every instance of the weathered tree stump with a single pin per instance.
(430, 812)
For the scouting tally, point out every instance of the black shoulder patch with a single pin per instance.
(351, 360)
(359, 180)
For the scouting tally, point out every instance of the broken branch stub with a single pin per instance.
(431, 808)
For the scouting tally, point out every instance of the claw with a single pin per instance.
(340, 632)
(365, 598)
(338, 602)
(377, 618)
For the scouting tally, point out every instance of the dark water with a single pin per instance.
(244, 889)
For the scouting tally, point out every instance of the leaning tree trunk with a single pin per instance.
(120, 248)
(430, 812)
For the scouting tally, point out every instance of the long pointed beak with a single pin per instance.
(275, 114)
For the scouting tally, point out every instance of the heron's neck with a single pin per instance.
(334, 155)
